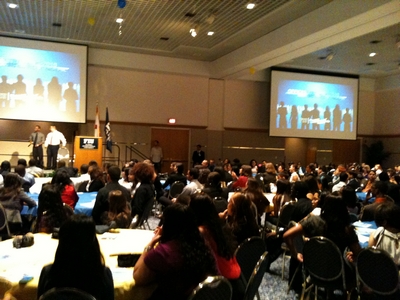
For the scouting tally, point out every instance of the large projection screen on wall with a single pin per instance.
(313, 106)
(42, 81)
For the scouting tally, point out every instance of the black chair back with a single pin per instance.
(213, 288)
(377, 271)
(248, 254)
(285, 215)
(256, 277)
(324, 263)
(176, 189)
(66, 294)
(4, 229)
(145, 215)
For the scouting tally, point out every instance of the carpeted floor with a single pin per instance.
(272, 287)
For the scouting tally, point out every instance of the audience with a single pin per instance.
(64, 184)
(34, 169)
(119, 211)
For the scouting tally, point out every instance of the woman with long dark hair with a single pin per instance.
(66, 187)
(181, 259)
(51, 211)
(118, 211)
(78, 262)
(254, 193)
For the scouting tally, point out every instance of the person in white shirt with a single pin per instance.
(53, 140)
(33, 169)
(156, 156)
(194, 185)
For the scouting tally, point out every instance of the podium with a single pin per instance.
(87, 148)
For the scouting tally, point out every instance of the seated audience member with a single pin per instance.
(221, 245)
(84, 177)
(26, 183)
(241, 218)
(34, 169)
(293, 173)
(68, 194)
(96, 180)
(229, 174)
(13, 198)
(245, 174)
(303, 205)
(350, 198)
(101, 204)
(387, 236)
(269, 176)
(1, 181)
(124, 181)
(52, 212)
(379, 195)
(281, 197)
(254, 166)
(62, 166)
(145, 193)
(254, 193)
(119, 211)
(220, 170)
(371, 180)
(353, 180)
(194, 185)
(78, 262)
(181, 259)
(215, 191)
(5, 168)
(333, 223)
(393, 188)
(342, 182)
(203, 175)
(177, 176)
(28, 176)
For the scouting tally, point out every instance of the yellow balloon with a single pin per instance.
(91, 21)
(252, 70)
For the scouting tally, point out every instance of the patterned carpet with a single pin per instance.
(272, 287)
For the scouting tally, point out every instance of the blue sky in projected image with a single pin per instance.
(30, 63)
(293, 92)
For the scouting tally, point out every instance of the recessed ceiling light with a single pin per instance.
(372, 54)
(164, 38)
(171, 121)
(12, 5)
(250, 5)
(210, 33)
(370, 64)
(375, 42)
(119, 20)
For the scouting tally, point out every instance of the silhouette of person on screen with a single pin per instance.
(305, 114)
(282, 112)
(294, 116)
(337, 118)
(70, 95)
(347, 120)
(38, 88)
(54, 91)
(5, 88)
(19, 87)
(315, 117)
(327, 117)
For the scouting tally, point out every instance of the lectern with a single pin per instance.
(87, 148)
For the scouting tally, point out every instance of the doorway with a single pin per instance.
(174, 144)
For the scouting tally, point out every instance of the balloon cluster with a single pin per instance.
(121, 3)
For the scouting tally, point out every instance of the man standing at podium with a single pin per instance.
(37, 139)
(53, 140)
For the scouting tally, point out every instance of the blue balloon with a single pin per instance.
(121, 3)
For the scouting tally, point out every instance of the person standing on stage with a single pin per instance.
(156, 156)
(37, 139)
(53, 140)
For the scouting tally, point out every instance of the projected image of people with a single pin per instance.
(42, 81)
(309, 105)
(282, 112)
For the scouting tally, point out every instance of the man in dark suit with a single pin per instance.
(198, 156)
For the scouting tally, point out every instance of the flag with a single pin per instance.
(107, 131)
(97, 123)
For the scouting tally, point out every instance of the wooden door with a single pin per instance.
(175, 146)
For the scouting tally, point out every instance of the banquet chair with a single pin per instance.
(323, 263)
(142, 221)
(256, 277)
(4, 229)
(176, 189)
(377, 272)
(66, 294)
(248, 254)
(213, 288)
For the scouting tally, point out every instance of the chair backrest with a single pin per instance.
(176, 189)
(323, 260)
(256, 277)
(4, 229)
(285, 215)
(377, 271)
(146, 212)
(213, 288)
(248, 254)
(66, 294)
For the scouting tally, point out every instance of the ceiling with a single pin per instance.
(161, 27)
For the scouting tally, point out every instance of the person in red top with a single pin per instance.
(220, 242)
(241, 182)
(66, 187)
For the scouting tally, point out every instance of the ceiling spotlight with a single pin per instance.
(250, 5)
(210, 33)
(193, 32)
(12, 5)
(372, 54)
(119, 20)
(171, 121)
